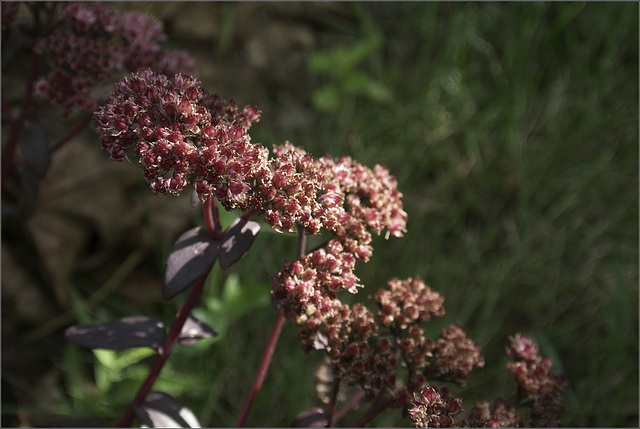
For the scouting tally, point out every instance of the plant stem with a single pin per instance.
(352, 402)
(270, 347)
(332, 402)
(262, 369)
(302, 243)
(176, 327)
(163, 353)
(211, 217)
(378, 405)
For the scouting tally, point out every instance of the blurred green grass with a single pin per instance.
(513, 132)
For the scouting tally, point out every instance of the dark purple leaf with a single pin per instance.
(34, 146)
(126, 333)
(311, 418)
(192, 256)
(160, 410)
(236, 241)
(195, 330)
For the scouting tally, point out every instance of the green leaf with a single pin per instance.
(360, 83)
(327, 98)
(240, 299)
(104, 370)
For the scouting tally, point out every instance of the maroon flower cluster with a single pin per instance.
(314, 281)
(504, 415)
(456, 355)
(178, 140)
(347, 335)
(535, 377)
(408, 302)
(368, 350)
(371, 196)
(433, 408)
(90, 42)
(532, 372)
(303, 194)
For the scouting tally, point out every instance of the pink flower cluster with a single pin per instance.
(314, 281)
(177, 139)
(407, 302)
(303, 193)
(89, 43)
(433, 408)
(534, 377)
(456, 354)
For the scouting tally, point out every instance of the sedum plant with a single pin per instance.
(183, 138)
(181, 135)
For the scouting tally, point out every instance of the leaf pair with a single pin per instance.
(161, 410)
(195, 252)
(135, 331)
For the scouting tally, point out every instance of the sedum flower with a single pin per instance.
(90, 44)
(431, 409)
(168, 122)
(456, 354)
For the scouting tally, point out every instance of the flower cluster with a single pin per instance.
(504, 415)
(368, 350)
(347, 334)
(90, 42)
(371, 196)
(341, 196)
(182, 134)
(433, 408)
(406, 302)
(178, 140)
(456, 355)
(535, 377)
(313, 282)
(302, 193)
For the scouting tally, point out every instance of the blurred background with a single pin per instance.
(512, 130)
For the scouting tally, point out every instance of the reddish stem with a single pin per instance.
(174, 332)
(332, 402)
(211, 217)
(163, 353)
(262, 369)
(352, 402)
(379, 405)
(71, 134)
(270, 347)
